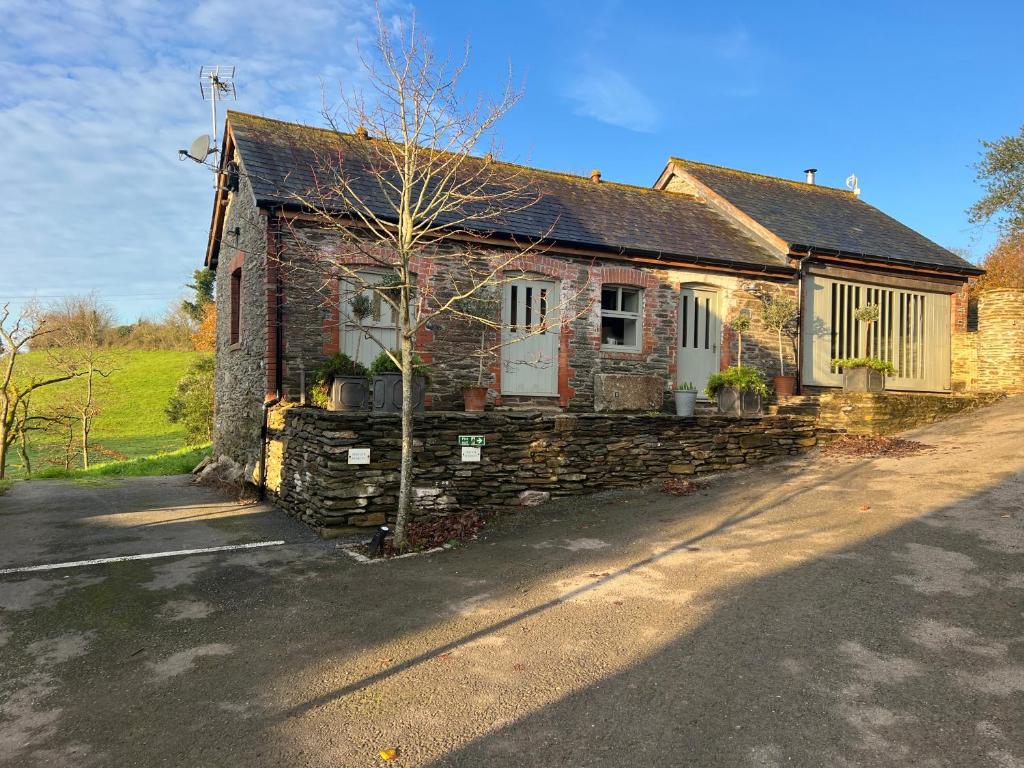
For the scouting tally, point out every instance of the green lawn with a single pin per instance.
(131, 423)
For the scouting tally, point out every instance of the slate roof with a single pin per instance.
(281, 160)
(823, 218)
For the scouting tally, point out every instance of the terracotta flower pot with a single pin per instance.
(475, 399)
(785, 386)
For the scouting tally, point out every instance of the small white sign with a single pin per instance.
(471, 453)
(358, 455)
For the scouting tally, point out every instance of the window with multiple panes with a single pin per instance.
(362, 339)
(235, 298)
(621, 318)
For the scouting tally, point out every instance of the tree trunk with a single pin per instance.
(405, 478)
(3, 449)
(782, 362)
(85, 420)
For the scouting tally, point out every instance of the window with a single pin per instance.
(621, 324)
(236, 303)
(363, 338)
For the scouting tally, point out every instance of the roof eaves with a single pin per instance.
(930, 266)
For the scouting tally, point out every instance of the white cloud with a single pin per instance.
(607, 95)
(98, 98)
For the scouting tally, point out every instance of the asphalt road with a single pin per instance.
(850, 612)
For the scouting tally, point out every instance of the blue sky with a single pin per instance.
(98, 97)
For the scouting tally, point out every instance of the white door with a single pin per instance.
(700, 333)
(529, 337)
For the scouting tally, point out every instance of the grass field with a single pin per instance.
(131, 423)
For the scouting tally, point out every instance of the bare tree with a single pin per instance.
(414, 173)
(17, 334)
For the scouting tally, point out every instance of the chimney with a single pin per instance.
(595, 176)
(810, 174)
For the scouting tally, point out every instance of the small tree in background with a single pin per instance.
(191, 405)
(1004, 265)
(17, 335)
(740, 325)
(203, 281)
(778, 312)
(408, 178)
(205, 337)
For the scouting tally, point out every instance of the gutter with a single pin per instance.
(811, 250)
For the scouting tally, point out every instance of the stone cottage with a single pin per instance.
(660, 272)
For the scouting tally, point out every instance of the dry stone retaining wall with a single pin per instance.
(886, 413)
(1001, 341)
(529, 457)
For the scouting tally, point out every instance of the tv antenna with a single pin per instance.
(851, 184)
(216, 83)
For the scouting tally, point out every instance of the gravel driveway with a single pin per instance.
(823, 612)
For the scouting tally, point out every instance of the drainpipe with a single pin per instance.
(800, 322)
(278, 380)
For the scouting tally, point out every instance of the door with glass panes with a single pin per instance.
(529, 335)
(700, 333)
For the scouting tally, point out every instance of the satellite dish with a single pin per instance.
(200, 148)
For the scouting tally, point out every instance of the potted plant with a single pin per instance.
(387, 383)
(864, 374)
(479, 309)
(777, 313)
(360, 307)
(686, 399)
(340, 384)
(739, 390)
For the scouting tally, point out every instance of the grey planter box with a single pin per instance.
(349, 393)
(685, 402)
(387, 393)
(863, 379)
(738, 402)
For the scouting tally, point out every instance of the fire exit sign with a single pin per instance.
(472, 440)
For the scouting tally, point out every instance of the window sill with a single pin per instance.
(617, 353)
(234, 347)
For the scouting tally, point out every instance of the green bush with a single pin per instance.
(743, 378)
(384, 364)
(191, 405)
(338, 364)
(882, 366)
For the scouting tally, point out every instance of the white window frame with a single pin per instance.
(637, 316)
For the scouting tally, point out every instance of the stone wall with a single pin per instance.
(240, 373)
(964, 362)
(1001, 341)
(887, 413)
(528, 457)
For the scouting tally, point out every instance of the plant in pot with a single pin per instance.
(739, 390)
(479, 309)
(686, 399)
(864, 374)
(359, 308)
(340, 384)
(387, 383)
(778, 311)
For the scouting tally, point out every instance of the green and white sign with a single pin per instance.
(472, 440)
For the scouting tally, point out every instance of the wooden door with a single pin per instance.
(529, 335)
(700, 334)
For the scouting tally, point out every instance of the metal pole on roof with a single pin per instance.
(216, 83)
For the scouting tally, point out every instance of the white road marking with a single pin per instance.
(146, 556)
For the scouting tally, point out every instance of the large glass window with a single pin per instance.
(621, 318)
(369, 322)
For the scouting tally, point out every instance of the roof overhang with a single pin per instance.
(220, 200)
(802, 251)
